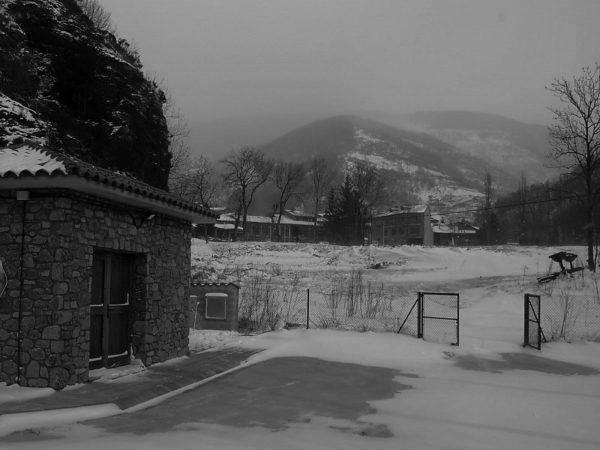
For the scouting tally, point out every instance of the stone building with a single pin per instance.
(97, 267)
(407, 225)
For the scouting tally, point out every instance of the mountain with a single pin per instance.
(422, 167)
(72, 87)
(515, 146)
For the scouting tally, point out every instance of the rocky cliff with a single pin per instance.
(71, 87)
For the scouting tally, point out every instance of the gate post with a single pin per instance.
(526, 324)
(307, 308)
(532, 313)
(420, 315)
(457, 318)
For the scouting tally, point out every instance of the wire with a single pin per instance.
(510, 205)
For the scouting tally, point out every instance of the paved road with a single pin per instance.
(139, 387)
(272, 394)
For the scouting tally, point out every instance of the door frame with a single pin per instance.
(108, 310)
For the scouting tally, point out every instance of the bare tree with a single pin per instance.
(322, 175)
(246, 170)
(288, 178)
(370, 189)
(100, 17)
(198, 184)
(522, 207)
(488, 206)
(575, 140)
(181, 157)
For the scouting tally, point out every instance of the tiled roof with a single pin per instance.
(25, 162)
(29, 161)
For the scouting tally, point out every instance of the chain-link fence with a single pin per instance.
(372, 309)
(570, 315)
(351, 304)
(354, 304)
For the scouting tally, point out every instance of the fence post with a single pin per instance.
(307, 308)
(457, 318)
(420, 315)
(526, 323)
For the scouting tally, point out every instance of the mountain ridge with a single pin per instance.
(425, 168)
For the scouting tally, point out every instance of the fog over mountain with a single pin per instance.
(231, 65)
(499, 144)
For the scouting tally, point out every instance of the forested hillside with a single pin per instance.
(71, 86)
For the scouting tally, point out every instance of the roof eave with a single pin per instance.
(107, 192)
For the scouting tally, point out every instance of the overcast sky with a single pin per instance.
(223, 58)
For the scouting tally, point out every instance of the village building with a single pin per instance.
(97, 267)
(294, 226)
(461, 233)
(410, 225)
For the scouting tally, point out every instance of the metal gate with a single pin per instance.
(533, 334)
(438, 317)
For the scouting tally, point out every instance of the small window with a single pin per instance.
(216, 306)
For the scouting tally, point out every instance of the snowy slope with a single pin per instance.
(419, 167)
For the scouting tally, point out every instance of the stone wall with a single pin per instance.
(62, 229)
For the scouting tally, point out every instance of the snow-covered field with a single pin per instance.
(488, 393)
(404, 264)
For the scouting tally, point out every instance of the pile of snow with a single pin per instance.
(17, 393)
(201, 340)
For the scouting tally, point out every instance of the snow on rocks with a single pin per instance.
(19, 123)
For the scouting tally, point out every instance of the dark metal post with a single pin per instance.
(457, 318)
(307, 308)
(420, 315)
(526, 324)
(539, 319)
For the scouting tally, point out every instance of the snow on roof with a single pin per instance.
(441, 229)
(230, 217)
(28, 160)
(227, 226)
(454, 229)
(288, 221)
(417, 209)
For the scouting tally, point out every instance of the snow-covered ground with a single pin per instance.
(488, 393)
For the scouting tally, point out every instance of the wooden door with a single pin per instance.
(109, 310)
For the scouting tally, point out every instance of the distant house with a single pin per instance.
(406, 225)
(98, 268)
(294, 227)
(258, 228)
(297, 226)
(461, 233)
